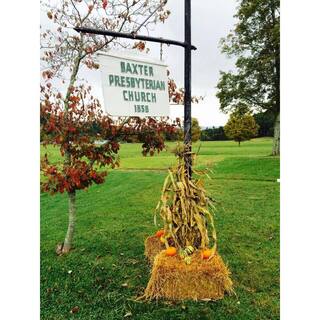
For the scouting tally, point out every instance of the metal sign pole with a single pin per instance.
(187, 87)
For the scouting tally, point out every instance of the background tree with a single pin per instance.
(255, 42)
(195, 130)
(177, 135)
(241, 127)
(213, 134)
(265, 120)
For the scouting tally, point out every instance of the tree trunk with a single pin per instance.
(239, 143)
(66, 246)
(72, 220)
(276, 137)
(73, 79)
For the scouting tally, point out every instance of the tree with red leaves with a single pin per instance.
(88, 142)
(73, 121)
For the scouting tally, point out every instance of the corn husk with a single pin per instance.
(187, 210)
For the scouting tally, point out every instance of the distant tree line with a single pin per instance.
(176, 135)
(264, 120)
(213, 134)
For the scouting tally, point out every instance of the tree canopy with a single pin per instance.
(255, 42)
(265, 120)
(241, 127)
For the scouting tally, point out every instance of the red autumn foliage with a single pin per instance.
(87, 139)
(176, 94)
(140, 45)
(74, 123)
(104, 4)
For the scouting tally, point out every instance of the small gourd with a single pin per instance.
(171, 251)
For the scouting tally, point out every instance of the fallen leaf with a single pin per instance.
(74, 309)
(59, 249)
(128, 314)
(124, 285)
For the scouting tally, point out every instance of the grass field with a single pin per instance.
(107, 269)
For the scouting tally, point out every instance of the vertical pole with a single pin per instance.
(187, 85)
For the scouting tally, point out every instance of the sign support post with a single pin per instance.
(187, 87)
(188, 47)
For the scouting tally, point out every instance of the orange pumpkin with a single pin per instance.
(160, 233)
(205, 254)
(171, 251)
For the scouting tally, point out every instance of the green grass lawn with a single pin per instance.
(116, 217)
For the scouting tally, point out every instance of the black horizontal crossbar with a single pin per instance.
(133, 36)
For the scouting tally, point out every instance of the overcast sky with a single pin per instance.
(211, 20)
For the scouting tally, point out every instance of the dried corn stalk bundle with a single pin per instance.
(187, 211)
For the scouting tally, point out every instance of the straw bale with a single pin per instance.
(173, 279)
(152, 247)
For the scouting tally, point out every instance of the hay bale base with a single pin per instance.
(171, 278)
(152, 246)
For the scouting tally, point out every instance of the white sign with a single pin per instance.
(133, 86)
